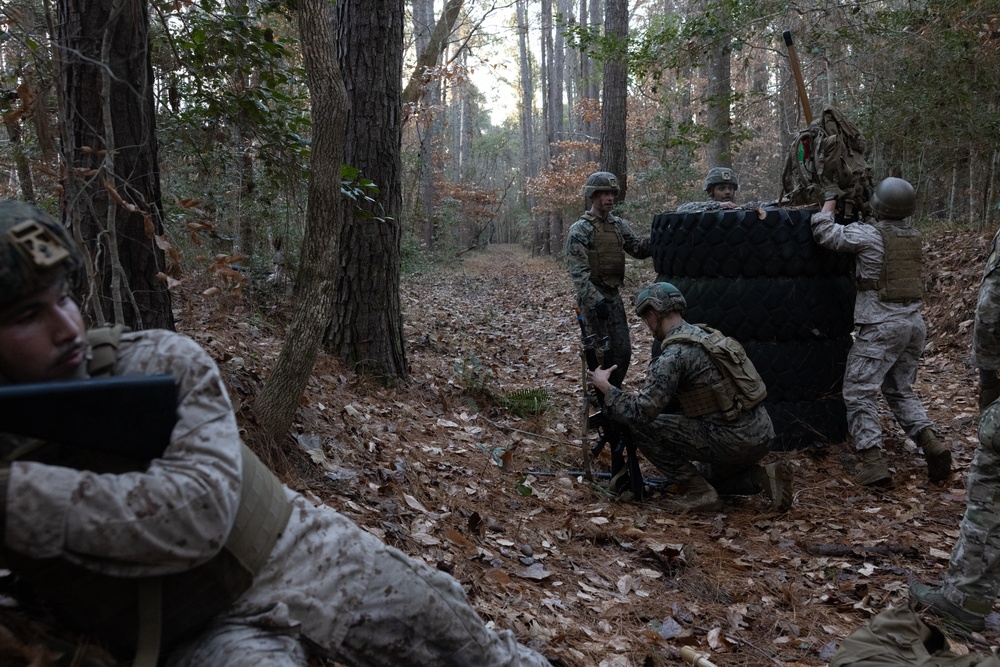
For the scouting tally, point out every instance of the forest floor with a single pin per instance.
(439, 469)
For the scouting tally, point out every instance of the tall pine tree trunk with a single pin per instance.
(112, 190)
(613, 131)
(279, 399)
(367, 325)
(719, 73)
(527, 114)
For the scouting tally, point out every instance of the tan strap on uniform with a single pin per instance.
(262, 516)
(150, 598)
(103, 343)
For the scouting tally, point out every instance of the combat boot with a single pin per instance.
(696, 495)
(775, 482)
(874, 471)
(931, 599)
(938, 456)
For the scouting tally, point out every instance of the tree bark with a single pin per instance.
(527, 110)
(613, 109)
(423, 25)
(279, 399)
(367, 325)
(21, 163)
(428, 59)
(545, 72)
(719, 74)
(114, 176)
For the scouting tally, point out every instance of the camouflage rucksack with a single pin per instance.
(899, 637)
(831, 151)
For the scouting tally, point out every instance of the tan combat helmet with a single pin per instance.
(600, 181)
(894, 199)
(35, 250)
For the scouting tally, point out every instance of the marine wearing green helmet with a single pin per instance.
(719, 176)
(35, 250)
(894, 199)
(661, 297)
(600, 181)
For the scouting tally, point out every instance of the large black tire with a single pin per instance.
(739, 243)
(765, 282)
(769, 309)
(800, 424)
(800, 370)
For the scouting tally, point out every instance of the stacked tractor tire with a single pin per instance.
(758, 276)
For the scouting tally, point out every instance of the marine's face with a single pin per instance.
(41, 336)
(723, 192)
(602, 202)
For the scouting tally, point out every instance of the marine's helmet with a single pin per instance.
(35, 250)
(662, 297)
(894, 199)
(600, 181)
(719, 175)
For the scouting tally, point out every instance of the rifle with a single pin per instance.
(625, 472)
(131, 416)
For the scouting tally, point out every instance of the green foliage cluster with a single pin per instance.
(477, 380)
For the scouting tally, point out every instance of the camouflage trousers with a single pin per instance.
(973, 577)
(411, 615)
(884, 356)
(612, 332)
(727, 451)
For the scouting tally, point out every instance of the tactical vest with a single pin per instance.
(148, 614)
(901, 279)
(607, 257)
(741, 387)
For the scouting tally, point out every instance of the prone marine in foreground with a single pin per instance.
(201, 556)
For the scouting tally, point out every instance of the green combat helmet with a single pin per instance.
(661, 297)
(720, 175)
(894, 199)
(35, 250)
(600, 181)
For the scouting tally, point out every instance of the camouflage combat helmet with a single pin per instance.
(35, 250)
(662, 297)
(720, 175)
(894, 199)
(600, 181)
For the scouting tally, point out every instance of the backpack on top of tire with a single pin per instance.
(790, 302)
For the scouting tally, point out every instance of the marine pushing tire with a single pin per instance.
(789, 301)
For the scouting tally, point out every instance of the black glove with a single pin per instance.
(602, 310)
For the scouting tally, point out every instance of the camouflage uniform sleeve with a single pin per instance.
(662, 379)
(634, 244)
(986, 332)
(579, 240)
(695, 206)
(842, 238)
(170, 517)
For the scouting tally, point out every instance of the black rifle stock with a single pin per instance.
(132, 416)
(623, 450)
